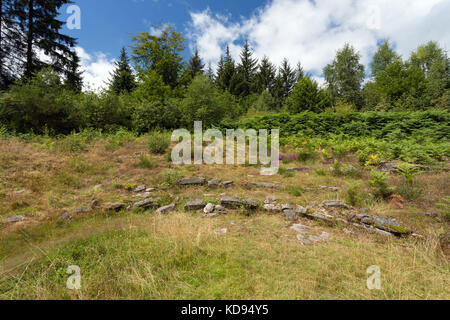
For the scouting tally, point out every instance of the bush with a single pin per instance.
(379, 183)
(146, 163)
(158, 142)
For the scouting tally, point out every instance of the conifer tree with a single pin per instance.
(196, 65)
(73, 75)
(265, 77)
(122, 78)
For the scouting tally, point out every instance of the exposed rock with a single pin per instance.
(192, 181)
(139, 189)
(65, 216)
(166, 209)
(334, 204)
(320, 216)
(146, 204)
(290, 215)
(221, 231)
(94, 203)
(144, 195)
(300, 228)
(270, 200)
(209, 208)
(431, 214)
(115, 206)
(287, 206)
(19, 192)
(194, 205)
(251, 204)
(150, 189)
(333, 189)
(80, 210)
(214, 183)
(267, 185)
(383, 223)
(272, 208)
(227, 184)
(300, 210)
(231, 203)
(220, 209)
(15, 219)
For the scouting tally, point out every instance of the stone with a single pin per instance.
(221, 231)
(19, 192)
(139, 189)
(94, 203)
(214, 183)
(384, 224)
(300, 228)
(166, 209)
(270, 200)
(431, 214)
(334, 204)
(220, 209)
(144, 195)
(272, 208)
(115, 207)
(251, 204)
(267, 185)
(146, 204)
(150, 189)
(333, 189)
(290, 215)
(80, 210)
(194, 205)
(209, 208)
(192, 181)
(302, 239)
(320, 216)
(230, 203)
(287, 207)
(300, 210)
(15, 219)
(227, 184)
(65, 217)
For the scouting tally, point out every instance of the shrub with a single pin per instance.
(379, 183)
(146, 163)
(352, 196)
(158, 142)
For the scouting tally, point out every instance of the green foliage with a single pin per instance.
(352, 196)
(146, 162)
(379, 183)
(444, 206)
(307, 96)
(408, 172)
(158, 142)
(122, 78)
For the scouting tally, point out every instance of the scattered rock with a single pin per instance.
(334, 204)
(80, 210)
(214, 183)
(65, 217)
(166, 209)
(290, 215)
(333, 189)
(139, 189)
(146, 204)
(194, 205)
(267, 185)
(272, 208)
(227, 184)
(251, 204)
(384, 224)
(19, 192)
(144, 195)
(115, 207)
(300, 210)
(150, 189)
(230, 203)
(209, 208)
(192, 181)
(221, 231)
(270, 200)
(431, 214)
(287, 207)
(15, 219)
(320, 216)
(220, 209)
(300, 228)
(302, 169)
(94, 203)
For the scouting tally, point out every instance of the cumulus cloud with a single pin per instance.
(96, 68)
(311, 32)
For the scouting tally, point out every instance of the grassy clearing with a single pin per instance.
(140, 255)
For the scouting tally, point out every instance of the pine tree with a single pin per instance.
(122, 78)
(41, 28)
(288, 78)
(196, 65)
(265, 77)
(210, 72)
(224, 78)
(247, 67)
(73, 75)
(299, 72)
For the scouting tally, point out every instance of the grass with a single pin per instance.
(141, 255)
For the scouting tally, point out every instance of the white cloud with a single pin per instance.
(96, 67)
(312, 31)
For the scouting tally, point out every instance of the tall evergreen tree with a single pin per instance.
(73, 75)
(247, 71)
(210, 72)
(288, 78)
(41, 29)
(345, 76)
(196, 65)
(122, 78)
(226, 72)
(299, 72)
(265, 77)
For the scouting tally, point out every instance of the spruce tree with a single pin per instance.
(224, 78)
(196, 65)
(41, 29)
(299, 72)
(122, 78)
(245, 82)
(266, 75)
(288, 78)
(73, 75)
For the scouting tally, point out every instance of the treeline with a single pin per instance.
(155, 87)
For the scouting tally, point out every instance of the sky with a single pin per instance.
(305, 31)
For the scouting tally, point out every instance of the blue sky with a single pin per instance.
(303, 31)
